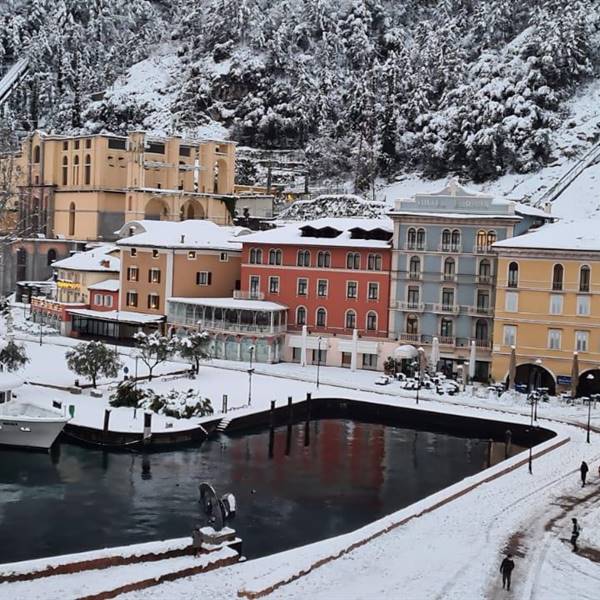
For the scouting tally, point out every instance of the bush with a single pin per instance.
(127, 394)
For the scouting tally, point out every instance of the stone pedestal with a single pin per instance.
(211, 537)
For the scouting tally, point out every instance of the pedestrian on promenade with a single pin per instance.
(506, 569)
(575, 534)
(583, 469)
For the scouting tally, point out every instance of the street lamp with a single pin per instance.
(318, 358)
(250, 371)
(590, 377)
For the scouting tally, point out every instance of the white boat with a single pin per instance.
(23, 423)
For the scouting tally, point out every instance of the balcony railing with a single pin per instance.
(445, 308)
(412, 306)
(248, 295)
(486, 311)
(477, 249)
(446, 340)
(449, 277)
(414, 275)
(410, 337)
(484, 279)
(457, 248)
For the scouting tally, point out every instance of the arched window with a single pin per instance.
(353, 260)
(491, 239)
(446, 236)
(72, 218)
(414, 268)
(350, 319)
(449, 269)
(420, 239)
(446, 328)
(301, 316)
(324, 260)
(481, 330)
(303, 258)
(456, 240)
(371, 321)
(76, 170)
(321, 317)
(411, 239)
(255, 256)
(51, 256)
(87, 170)
(374, 262)
(485, 270)
(557, 277)
(412, 324)
(65, 170)
(481, 240)
(584, 279)
(513, 275)
(274, 257)
(36, 154)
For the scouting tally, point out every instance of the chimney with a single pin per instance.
(182, 238)
(105, 263)
(548, 207)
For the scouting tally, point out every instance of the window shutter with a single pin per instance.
(197, 278)
(209, 280)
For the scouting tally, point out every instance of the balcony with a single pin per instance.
(477, 249)
(451, 277)
(413, 338)
(483, 311)
(248, 295)
(484, 279)
(411, 306)
(454, 248)
(415, 275)
(445, 308)
(446, 340)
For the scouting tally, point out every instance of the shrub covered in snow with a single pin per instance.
(337, 205)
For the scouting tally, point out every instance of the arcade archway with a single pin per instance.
(530, 376)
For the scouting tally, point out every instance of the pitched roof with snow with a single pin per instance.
(191, 234)
(95, 260)
(582, 235)
(108, 285)
(345, 232)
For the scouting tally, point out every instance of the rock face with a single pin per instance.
(342, 205)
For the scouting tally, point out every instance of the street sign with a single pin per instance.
(563, 380)
(125, 370)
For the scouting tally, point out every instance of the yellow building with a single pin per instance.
(87, 187)
(548, 306)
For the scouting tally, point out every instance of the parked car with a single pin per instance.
(383, 380)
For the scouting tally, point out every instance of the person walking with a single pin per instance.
(575, 534)
(583, 469)
(506, 569)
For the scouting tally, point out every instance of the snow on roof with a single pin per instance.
(445, 215)
(97, 259)
(292, 233)
(233, 303)
(580, 234)
(193, 233)
(108, 285)
(334, 205)
(121, 316)
(9, 381)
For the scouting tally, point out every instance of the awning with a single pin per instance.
(117, 316)
(406, 351)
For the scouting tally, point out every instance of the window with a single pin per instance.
(351, 289)
(324, 260)
(412, 324)
(155, 147)
(51, 256)
(117, 143)
(353, 260)
(413, 297)
(583, 305)
(108, 301)
(584, 279)
(131, 299)
(154, 253)
(203, 278)
(511, 302)
(481, 241)
(76, 170)
(88, 143)
(36, 154)
(456, 241)
(556, 304)
(447, 298)
(72, 218)
(554, 339)
(254, 284)
(65, 170)
(491, 239)
(371, 321)
(274, 257)
(414, 268)
(132, 273)
(449, 269)
(274, 285)
(301, 316)
(481, 330)
(153, 301)
(373, 293)
(185, 151)
(557, 277)
(76, 144)
(446, 328)
(483, 301)
(87, 170)
(224, 257)
(65, 145)
(374, 262)
(513, 275)
(98, 299)
(296, 354)
(581, 341)
(420, 239)
(133, 252)
(411, 239)
(192, 255)
(303, 258)
(319, 356)
(153, 275)
(255, 256)
(350, 319)
(369, 361)
(446, 235)
(509, 335)
(302, 286)
(321, 317)
(485, 271)
(322, 287)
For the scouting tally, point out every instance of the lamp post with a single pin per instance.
(590, 377)
(41, 330)
(318, 358)
(250, 371)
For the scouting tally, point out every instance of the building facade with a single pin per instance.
(548, 307)
(444, 271)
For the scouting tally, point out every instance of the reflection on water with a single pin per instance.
(294, 485)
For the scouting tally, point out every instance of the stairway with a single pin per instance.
(12, 78)
(223, 424)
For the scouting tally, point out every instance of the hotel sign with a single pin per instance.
(68, 285)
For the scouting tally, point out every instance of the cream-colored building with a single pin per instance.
(87, 187)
